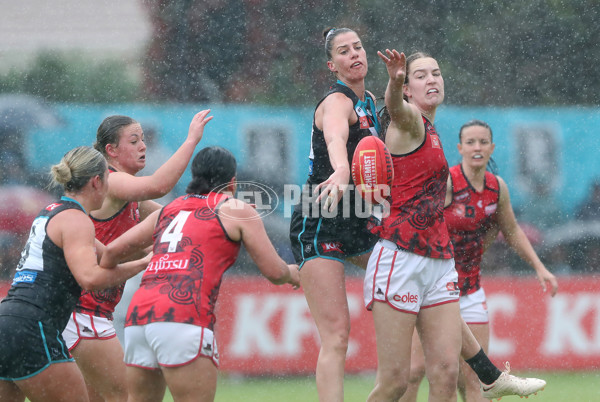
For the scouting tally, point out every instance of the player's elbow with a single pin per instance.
(276, 274)
(278, 280)
(92, 281)
(89, 284)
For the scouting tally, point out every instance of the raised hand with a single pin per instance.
(197, 125)
(395, 63)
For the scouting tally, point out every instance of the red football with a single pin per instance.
(372, 170)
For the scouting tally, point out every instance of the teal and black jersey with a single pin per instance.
(367, 124)
(43, 287)
(344, 234)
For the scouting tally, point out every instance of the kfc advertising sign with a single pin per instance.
(267, 329)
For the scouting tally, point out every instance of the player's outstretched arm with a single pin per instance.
(123, 186)
(242, 223)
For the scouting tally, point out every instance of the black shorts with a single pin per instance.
(334, 238)
(28, 347)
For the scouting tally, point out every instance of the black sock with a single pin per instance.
(484, 368)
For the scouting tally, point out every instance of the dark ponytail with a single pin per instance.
(212, 168)
(110, 130)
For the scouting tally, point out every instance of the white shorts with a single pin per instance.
(473, 308)
(87, 326)
(168, 344)
(408, 282)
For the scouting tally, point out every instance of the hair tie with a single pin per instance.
(329, 33)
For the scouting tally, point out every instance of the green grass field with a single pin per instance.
(562, 387)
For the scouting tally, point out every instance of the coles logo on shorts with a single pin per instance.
(407, 298)
(330, 246)
(452, 287)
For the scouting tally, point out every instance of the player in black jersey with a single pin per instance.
(324, 231)
(58, 260)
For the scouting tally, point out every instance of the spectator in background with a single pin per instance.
(558, 260)
(13, 159)
(590, 209)
(13, 168)
(591, 256)
(501, 259)
(541, 209)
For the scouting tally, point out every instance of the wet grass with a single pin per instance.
(567, 386)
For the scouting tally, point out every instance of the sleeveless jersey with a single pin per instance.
(43, 287)
(367, 124)
(468, 218)
(191, 253)
(103, 302)
(319, 164)
(416, 221)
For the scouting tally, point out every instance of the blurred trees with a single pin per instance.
(61, 77)
(236, 50)
(540, 52)
(504, 53)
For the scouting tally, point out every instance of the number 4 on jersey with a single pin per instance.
(174, 232)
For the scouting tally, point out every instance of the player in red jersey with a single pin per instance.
(411, 282)
(90, 334)
(170, 320)
(477, 206)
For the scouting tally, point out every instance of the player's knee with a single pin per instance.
(336, 337)
(417, 373)
(339, 342)
(394, 390)
(115, 394)
(393, 382)
(444, 375)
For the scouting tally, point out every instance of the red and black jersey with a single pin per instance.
(103, 302)
(416, 221)
(109, 229)
(469, 217)
(191, 253)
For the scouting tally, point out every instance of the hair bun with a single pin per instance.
(328, 31)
